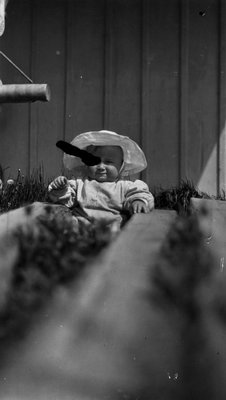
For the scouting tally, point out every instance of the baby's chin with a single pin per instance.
(103, 178)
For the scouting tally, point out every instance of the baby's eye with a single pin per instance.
(109, 161)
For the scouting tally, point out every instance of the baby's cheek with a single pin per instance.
(91, 171)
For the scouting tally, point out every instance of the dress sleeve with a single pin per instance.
(138, 190)
(65, 196)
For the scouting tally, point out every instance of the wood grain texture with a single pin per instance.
(48, 65)
(14, 118)
(103, 338)
(161, 90)
(222, 99)
(85, 67)
(202, 131)
(123, 68)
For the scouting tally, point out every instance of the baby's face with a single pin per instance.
(109, 167)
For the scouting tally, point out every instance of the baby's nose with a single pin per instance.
(101, 164)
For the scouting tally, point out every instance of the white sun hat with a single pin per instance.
(134, 160)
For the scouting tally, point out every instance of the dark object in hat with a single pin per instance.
(86, 157)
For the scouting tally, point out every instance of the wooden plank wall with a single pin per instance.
(14, 118)
(200, 86)
(150, 69)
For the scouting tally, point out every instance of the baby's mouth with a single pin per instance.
(101, 175)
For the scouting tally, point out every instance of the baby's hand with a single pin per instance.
(139, 206)
(60, 182)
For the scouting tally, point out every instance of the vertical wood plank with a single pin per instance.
(222, 98)
(85, 67)
(145, 126)
(48, 66)
(14, 120)
(145, 121)
(200, 155)
(184, 86)
(160, 91)
(123, 68)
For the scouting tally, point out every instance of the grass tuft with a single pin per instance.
(23, 190)
(177, 197)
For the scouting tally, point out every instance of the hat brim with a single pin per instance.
(134, 160)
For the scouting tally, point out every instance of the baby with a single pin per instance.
(103, 192)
